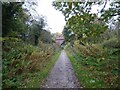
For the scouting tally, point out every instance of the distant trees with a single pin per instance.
(46, 37)
(36, 28)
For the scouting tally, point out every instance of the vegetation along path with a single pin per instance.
(62, 74)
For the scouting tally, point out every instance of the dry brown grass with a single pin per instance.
(89, 50)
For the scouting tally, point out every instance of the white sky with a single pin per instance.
(55, 18)
(95, 8)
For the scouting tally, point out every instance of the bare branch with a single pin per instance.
(104, 6)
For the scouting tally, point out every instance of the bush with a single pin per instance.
(94, 66)
(21, 59)
(111, 43)
(88, 50)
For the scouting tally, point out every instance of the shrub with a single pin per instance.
(94, 63)
(21, 59)
(111, 43)
(88, 50)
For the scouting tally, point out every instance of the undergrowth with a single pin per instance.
(22, 63)
(94, 66)
(36, 79)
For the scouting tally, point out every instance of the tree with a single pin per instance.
(80, 20)
(13, 19)
(36, 28)
(73, 8)
(67, 34)
(112, 11)
(78, 8)
(45, 36)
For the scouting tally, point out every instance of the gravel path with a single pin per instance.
(62, 74)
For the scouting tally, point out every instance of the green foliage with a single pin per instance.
(80, 21)
(37, 78)
(79, 25)
(95, 71)
(67, 34)
(73, 8)
(15, 23)
(45, 36)
(21, 60)
(13, 19)
(112, 11)
(94, 65)
(37, 26)
(111, 43)
(36, 31)
(78, 8)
